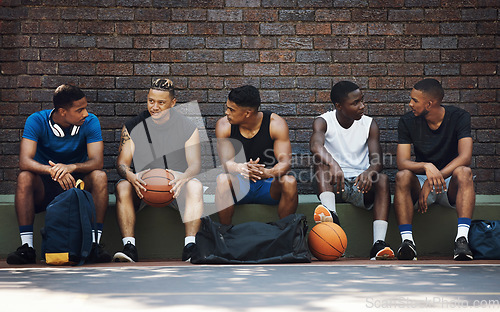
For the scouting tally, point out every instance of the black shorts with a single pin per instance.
(52, 189)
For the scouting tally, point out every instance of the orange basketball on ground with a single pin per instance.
(158, 191)
(327, 241)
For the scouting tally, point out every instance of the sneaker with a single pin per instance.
(129, 254)
(381, 251)
(407, 251)
(98, 254)
(462, 251)
(188, 251)
(23, 255)
(321, 214)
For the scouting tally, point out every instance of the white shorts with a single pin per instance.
(441, 199)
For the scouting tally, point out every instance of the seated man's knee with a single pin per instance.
(123, 188)
(26, 177)
(382, 180)
(289, 183)
(194, 187)
(98, 178)
(403, 177)
(463, 174)
(223, 181)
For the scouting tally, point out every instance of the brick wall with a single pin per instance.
(292, 50)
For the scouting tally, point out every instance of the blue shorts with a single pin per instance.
(259, 192)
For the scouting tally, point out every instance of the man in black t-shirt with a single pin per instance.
(442, 142)
(261, 175)
(159, 138)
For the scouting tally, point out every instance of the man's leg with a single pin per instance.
(193, 190)
(380, 196)
(126, 198)
(29, 189)
(406, 194)
(461, 193)
(326, 212)
(226, 185)
(285, 189)
(96, 182)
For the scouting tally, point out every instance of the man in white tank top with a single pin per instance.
(348, 163)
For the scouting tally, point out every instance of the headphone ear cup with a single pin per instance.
(58, 132)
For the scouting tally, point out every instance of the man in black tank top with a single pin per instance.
(255, 151)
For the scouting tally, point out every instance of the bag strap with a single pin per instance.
(88, 222)
(151, 144)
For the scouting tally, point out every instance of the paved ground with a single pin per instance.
(344, 285)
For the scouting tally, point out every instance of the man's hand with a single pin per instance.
(177, 183)
(138, 183)
(435, 178)
(337, 178)
(58, 171)
(424, 193)
(364, 181)
(67, 181)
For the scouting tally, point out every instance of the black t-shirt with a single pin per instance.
(439, 146)
(260, 146)
(168, 139)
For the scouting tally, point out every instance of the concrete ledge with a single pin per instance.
(160, 232)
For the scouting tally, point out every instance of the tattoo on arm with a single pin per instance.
(124, 138)
(122, 170)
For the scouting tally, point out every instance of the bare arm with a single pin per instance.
(27, 160)
(279, 132)
(463, 159)
(365, 179)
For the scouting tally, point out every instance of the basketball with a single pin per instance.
(327, 241)
(158, 191)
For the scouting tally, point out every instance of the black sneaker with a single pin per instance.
(98, 254)
(407, 251)
(129, 254)
(188, 251)
(381, 251)
(462, 251)
(23, 255)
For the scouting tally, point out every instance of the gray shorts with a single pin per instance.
(352, 195)
(441, 199)
(143, 204)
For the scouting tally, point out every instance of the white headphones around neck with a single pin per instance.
(58, 131)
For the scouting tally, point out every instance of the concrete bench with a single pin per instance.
(160, 231)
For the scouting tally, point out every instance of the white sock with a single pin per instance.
(128, 239)
(407, 235)
(463, 230)
(99, 233)
(27, 238)
(189, 239)
(379, 230)
(328, 200)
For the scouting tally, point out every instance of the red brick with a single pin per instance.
(407, 42)
(97, 83)
(487, 28)
(479, 69)
(369, 15)
(189, 14)
(295, 43)
(277, 29)
(421, 29)
(274, 83)
(168, 56)
(114, 69)
(261, 15)
(257, 43)
(297, 69)
(484, 42)
(169, 28)
(96, 28)
(149, 14)
(209, 56)
(35, 13)
(241, 29)
(490, 82)
(333, 69)
(206, 82)
(330, 43)
(459, 82)
(228, 15)
(300, 96)
(59, 55)
(10, 55)
(324, 15)
(386, 83)
(132, 55)
(133, 28)
(313, 29)
(277, 56)
(85, 69)
(151, 69)
(350, 56)
(95, 55)
(42, 68)
(371, 43)
(188, 69)
(467, 96)
(115, 42)
(390, 29)
(386, 3)
(406, 15)
(369, 70)
(261, 69)
(386, 56)
(29, 81)
(205, 28)
(115, 14)
(421, 56)
(234, 82)
(359, 29)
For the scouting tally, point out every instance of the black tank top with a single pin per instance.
(260, 146)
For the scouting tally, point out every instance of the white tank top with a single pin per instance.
(349, 147)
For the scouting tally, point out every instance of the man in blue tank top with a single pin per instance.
(58, 147)
(255, 152)
(348, 164)
(440, 173)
